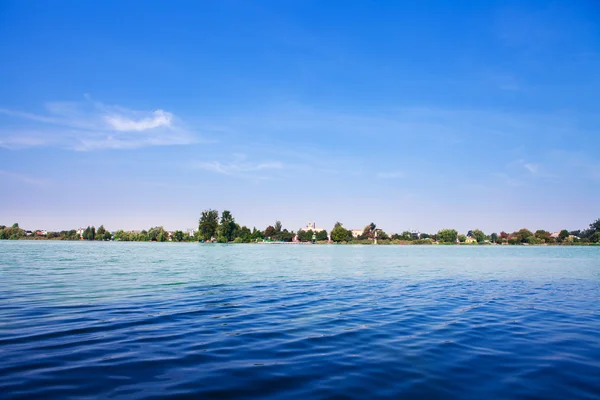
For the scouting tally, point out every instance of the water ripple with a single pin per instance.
(192, 332)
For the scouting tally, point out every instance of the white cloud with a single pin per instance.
(237, 168)
(123, 123)
(90, 125)
(533, 168)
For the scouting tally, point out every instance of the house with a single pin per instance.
(470, 240)
(42, 233)
(555, 235)
(356, 232)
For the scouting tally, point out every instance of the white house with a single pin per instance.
(356, 232)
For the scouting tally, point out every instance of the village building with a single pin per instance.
(311, 226)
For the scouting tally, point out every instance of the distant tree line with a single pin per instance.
(223, 228)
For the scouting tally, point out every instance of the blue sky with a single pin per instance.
(413, 115)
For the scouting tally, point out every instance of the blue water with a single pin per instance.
(134, 320)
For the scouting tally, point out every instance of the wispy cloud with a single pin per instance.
(91, 125)
(532, 168)
(239, 167)
(122, 123)
(519, 172)
(23, 178)
(507, 179)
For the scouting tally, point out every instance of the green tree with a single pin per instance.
(368, 232)
(523, 235)
(513, 240)
(227, 226)
(447, 235)
(153, 234)
(285, 236)
(494, 237)
(339, 233)
(157, 234)
(270, 232)
(121, 235)
(89, 233)
(277, 226)
(305, 236)
(462, 238)
(100, 231)
(244, 235)
(478, 235)
(563, 235)
(178, 236)
(257, 234)
(208, 224)
(322, 235)
(594, 226)
(534, 240)
(543, 236)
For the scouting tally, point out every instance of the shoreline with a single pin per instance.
(408, 243)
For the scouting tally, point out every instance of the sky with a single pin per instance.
(412, 115)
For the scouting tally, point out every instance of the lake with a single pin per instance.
(150, 320)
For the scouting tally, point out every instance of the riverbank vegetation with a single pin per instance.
(223, 228)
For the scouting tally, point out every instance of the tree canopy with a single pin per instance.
(447, 235)
(208, 224)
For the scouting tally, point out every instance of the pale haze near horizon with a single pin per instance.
(412, 116)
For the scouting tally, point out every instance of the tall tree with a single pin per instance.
(322, 235)
(339, 233)
(178, 236)
(244, 235)
(447, 235)
(564, 234)
(277, 226)
(256, 234)
(208, 224)
(368, 232)
(595, 226)
(270, 232)
(227, 226)
(543, 235)
(478, 235)
(523, 235)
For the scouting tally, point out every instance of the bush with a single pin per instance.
(222, 239)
